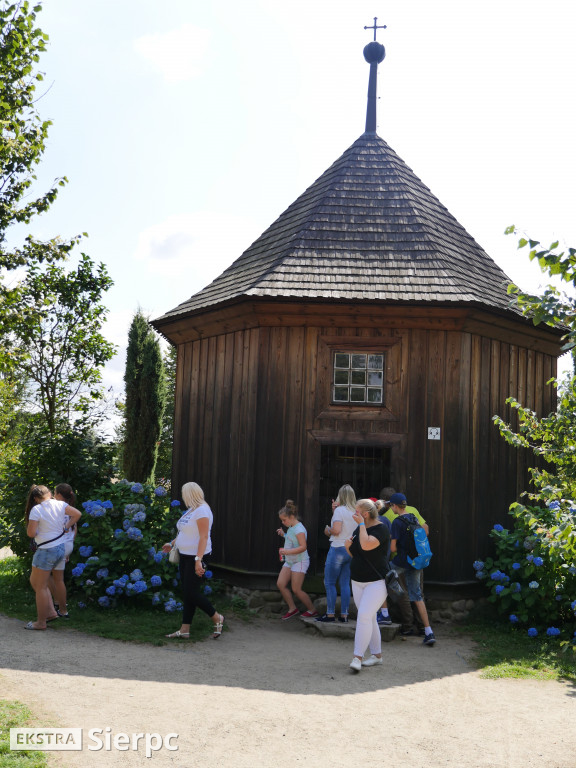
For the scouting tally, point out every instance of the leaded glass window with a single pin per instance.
(358, 378)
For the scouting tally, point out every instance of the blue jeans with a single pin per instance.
(337, 568)
(412, 582)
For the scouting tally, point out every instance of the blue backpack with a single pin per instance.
(418, 549)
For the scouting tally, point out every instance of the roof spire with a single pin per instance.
(373, 53)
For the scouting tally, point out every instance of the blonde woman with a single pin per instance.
(368, 548)
(337, 568)
(194, 545)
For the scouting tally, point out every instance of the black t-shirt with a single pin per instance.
(370, 564)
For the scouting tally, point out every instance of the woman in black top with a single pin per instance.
(368, 547)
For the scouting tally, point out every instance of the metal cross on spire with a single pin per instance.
(374, 53)
(375, 26)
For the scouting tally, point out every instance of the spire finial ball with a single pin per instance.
(374, 52)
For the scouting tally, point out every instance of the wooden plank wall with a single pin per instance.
(248, 402)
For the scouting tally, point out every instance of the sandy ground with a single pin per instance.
(270, 694)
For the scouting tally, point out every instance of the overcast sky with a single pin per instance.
(186, 128)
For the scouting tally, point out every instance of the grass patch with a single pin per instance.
(505, 651)
(13, 714)
(135, 622)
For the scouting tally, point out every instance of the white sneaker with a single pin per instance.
(372, 661)
(356, 664)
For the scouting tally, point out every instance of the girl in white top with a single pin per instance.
(337, 568)
(194, 544)
(47, 521)
(56, 584)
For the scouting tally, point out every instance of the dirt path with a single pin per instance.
(270, 695)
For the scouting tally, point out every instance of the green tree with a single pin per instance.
(60, 344)
(532, 578)
(164, 463)
(22, 143)
(144, 378)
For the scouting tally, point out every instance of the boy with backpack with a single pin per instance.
(411, 552)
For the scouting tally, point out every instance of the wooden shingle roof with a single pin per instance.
(367, 229)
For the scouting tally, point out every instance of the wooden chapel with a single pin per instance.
(363, 338)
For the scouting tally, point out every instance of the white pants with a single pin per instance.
(368, 596)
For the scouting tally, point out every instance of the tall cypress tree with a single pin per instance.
(144, 379)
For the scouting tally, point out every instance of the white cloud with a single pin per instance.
(194, 247)
(179, 54)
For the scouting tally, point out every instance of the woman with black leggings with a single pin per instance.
(194, 545)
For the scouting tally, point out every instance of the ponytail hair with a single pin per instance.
(289, 510)
(67, 493)
(36, 494)
(368, 506)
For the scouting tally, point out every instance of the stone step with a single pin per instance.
(388, 633)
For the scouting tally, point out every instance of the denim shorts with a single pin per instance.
(412, 577)
(68, 547)
(46, 559)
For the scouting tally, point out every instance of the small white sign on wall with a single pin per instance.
(433, 433)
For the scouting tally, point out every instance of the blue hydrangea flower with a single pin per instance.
(480, 574)
(160, 491)
(532, 632)
(174, 582)
(118, 533)
(159, 556)
(135, 534)
(208, 574)
(175, 503)
(572, 569)
(90, 583)
(104, 601)
(478, 565)
(102, 573)
(79, 569)
(529, 543)
(515, 566)
(513, 618)
(85, 525)
(155, 581)
(170, 605)
(93, 559)
(81, 605)
(499, 588)
(85, 551)
(139, 517)
(552, 631)
(533, 585)
(559, 598)
(530, 558)
(573, 605)
(151, 552)
(498, 527)
(140, 586)
(156, 598)
(207, 590)
(554, 505)
(538, 561)
(126, 524)
(111, 590)
(497, 575)
(137, 488)
(136, 574)
(516, 587)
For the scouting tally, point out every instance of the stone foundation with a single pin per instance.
(270, 603)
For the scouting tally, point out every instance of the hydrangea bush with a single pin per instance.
(532, 577)
(117, 554)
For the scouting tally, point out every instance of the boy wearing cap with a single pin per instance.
(398, 548)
